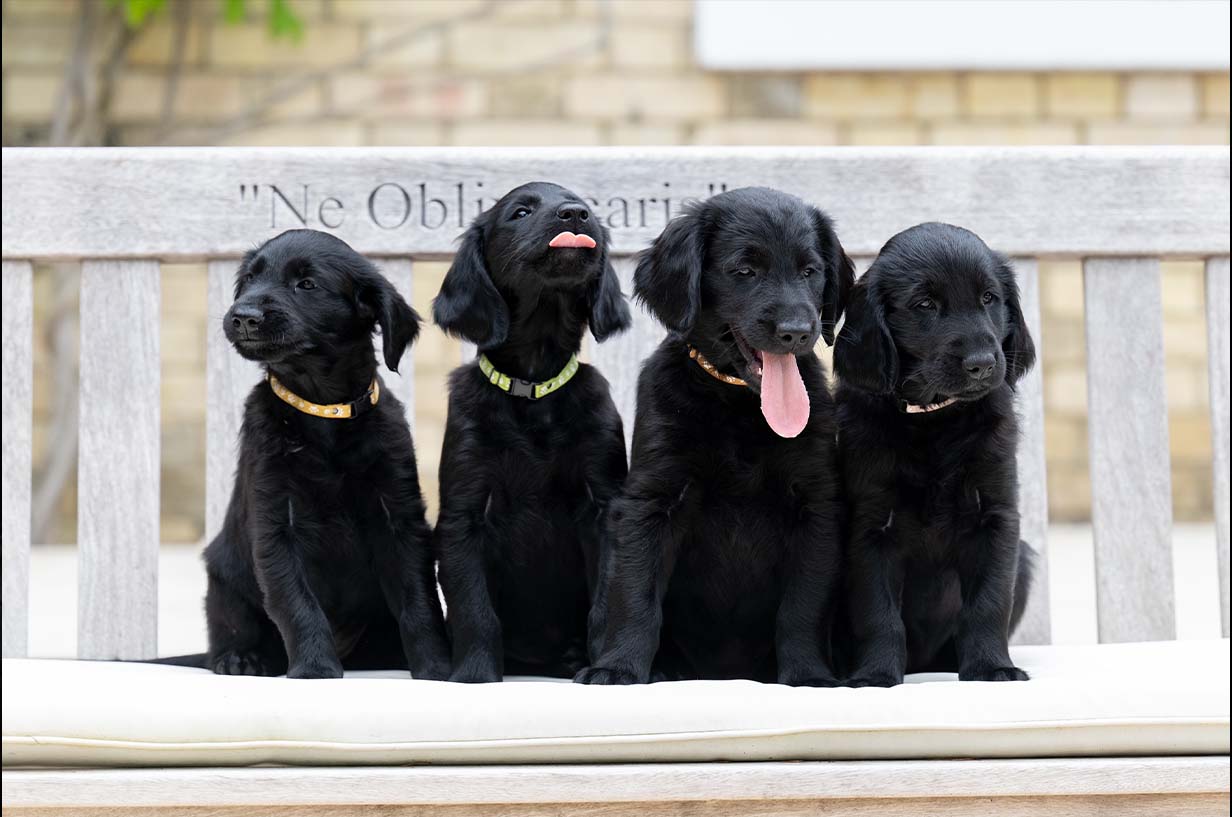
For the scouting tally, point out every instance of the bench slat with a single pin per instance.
(1217, 296)
(1131, 494)
(1036, 626)
(401, 384)
(117, 474)
(620, 357)
(16, 328)
(228, 379)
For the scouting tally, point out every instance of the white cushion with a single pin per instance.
(1164, 698)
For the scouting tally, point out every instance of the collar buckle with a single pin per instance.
(522, 388)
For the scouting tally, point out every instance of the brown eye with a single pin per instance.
(809, 271)
(307, 283)
(926, 304)
(989, 298)
(521, 212)
(743, 272)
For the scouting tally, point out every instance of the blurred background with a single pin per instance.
(592, 72)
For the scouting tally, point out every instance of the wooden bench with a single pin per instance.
(122, 211)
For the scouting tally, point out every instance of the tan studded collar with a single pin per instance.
(712, 370)
(328, 411)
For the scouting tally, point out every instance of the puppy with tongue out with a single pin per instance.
(725, 547)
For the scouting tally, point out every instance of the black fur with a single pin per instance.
(937, 574)
(325, 558)
(726, 539)
(525, 483)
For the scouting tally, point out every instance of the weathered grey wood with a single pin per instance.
(228, 379)
(16, 330)
(1132, 805)
(1131, 484)
(213, 202)
(1217, 296)
(401, 383)
(624, 783)
(620, 358)
(1036, 625)
(117, 473)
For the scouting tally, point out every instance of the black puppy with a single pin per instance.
(726, 543)
(933, 343)
(325, 556)
(534, 449)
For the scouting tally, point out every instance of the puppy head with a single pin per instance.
(306, 293)
(539, 237)
(752, 278)
(936, 316)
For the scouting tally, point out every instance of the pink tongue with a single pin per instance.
(784, 402)
(568, 239)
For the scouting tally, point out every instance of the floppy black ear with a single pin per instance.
(398, 321)
(864, 355)
(668, 279)
(840, 275)
(609, 311)
(1017, 345)
(468, 305)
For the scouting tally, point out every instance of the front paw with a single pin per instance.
(993, 674)
(874, 679)
(603, 676)
(432, 671)
(476, 670)
(241, 662)
(803, 680)
(324, 666)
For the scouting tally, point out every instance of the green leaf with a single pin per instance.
(283, 22)
(233, 11)
(136, 12)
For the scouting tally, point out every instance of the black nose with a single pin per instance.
(794, 334)
(980, 365)
(572, 211)
(246, 319)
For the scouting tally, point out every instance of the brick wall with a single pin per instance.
(549, 72)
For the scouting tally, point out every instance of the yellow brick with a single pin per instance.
(1065, 439)
(499, 45)
(409, 134)
(1192, 494)
(856, 96)
(536, 95)
(645, 135)
(678, 10)
(1002, 95)
(1061, 289)
(668, 98)
(1082, 95)
(1183, 285)
(883, 133)
(251, 46)
(934, 96)
(642, 45)
(305, 102)
(1115, 133)
(154, 45)
(1069, 493)
(1026, 133)
(209, 97)
(138, 98)
(530, 9)
(406, 95)
(524, 133)
(1215, 95)
(424, 11)
(1065, 390)
(424, 50)
(765, 132)
(1065, 341)
(1186, 386)
(1185, 341)
(41, 9)
(1161, 96)
(35, 45)
(323, 133)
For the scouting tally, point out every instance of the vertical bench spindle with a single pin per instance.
(1217, 294)
(117, 474)
(228, 379)
(16, 329)
(1131, 484)
(1036, 626)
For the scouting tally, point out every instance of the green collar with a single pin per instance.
(524, 388)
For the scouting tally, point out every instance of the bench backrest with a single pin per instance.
(121, 211)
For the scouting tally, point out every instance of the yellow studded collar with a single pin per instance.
(713, 370)
(525, 388)
(328, 411)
